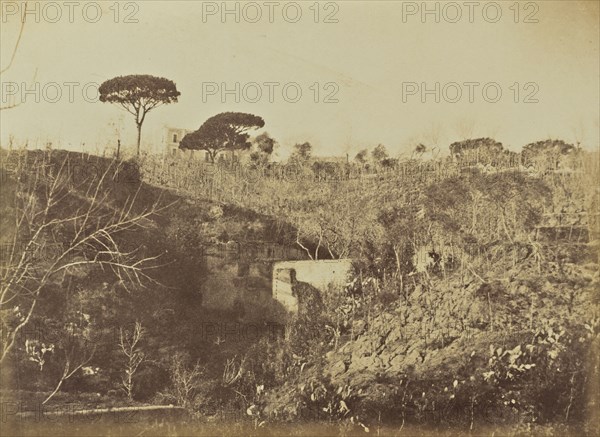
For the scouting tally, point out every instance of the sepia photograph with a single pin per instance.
(299, 218)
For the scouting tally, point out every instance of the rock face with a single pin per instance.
(318, 274)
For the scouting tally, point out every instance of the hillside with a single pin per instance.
(473, 305)
(190, 296)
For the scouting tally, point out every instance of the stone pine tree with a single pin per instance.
(138, 94)
(227, 131)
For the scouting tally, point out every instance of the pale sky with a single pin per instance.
(371, 54)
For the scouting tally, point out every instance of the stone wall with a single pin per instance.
(319, 274)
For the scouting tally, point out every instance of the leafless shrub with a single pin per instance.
(129, 344)
(80, 224)
(233, 371)
(186, 381)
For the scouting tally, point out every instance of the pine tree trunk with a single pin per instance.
(139, 137)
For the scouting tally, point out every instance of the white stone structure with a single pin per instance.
(320, 274)
(171, 138)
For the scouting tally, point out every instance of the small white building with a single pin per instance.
(172, 136)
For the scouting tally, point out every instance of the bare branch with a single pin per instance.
(16, 47)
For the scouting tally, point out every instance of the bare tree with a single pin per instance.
(75, 357)
(310, 229)
(17, 43)
(464, 128)
(14, 54)
(129, 344)
(431, 139)
(186, 381)
(58, 229)
(336, 233)
(233, 371)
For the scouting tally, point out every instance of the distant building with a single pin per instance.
(172, 136)
(171, 139)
